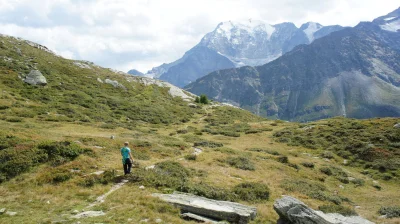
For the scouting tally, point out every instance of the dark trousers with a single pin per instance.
(127, 166)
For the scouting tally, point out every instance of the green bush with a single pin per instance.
(390, 212)
(165, 174)
(208, 144)
(192, 157)
(242, 163)
(345, 211)
(212, 192)
(283, 159)
(327, 155)
(252, 191)
(308, 164)
(326, 170)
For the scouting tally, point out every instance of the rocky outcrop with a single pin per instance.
(291, 210)
(35, 77)
(210, 209)
(397, 125)
(114, 83)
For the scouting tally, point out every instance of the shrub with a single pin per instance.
(327, 155)
(242, 163)
(208, 144)
(66, 150)
(252, 191)
(390, 212)
(190, 157)
(165, 174)
(14, 119)
(212, 192)
(308, 164)
(326, 170)
(203, 99)
(283, 159)
(357, 182)
(345, 211)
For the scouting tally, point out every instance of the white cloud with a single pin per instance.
(140, 34)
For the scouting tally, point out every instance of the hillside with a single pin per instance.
(59, 151)
(354, 72)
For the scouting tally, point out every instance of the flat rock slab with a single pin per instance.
(212, 209)
(291, 210)
(201, 218)
(88, 214)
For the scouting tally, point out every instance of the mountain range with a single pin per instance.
(354, 72)
(235, 44)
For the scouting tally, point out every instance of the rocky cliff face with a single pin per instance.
(354, 72)
(235, 44)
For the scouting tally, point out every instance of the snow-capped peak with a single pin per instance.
(310, 28)
(250, 26)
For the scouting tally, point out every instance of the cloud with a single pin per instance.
(141, 34)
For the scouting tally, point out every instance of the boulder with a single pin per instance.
(35, 77)
(114, 83)
(397, 125)
(2, 211)
(291, 210)
(211, 209)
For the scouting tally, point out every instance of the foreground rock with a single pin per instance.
(291, 210)
(88, 214)
(210, 209)
(35, 77)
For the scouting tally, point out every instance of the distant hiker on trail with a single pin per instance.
(127, 158)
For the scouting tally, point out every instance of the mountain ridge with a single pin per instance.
(249, 42)
(314, 81)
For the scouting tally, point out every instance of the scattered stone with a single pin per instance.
(98, 147)
(197, 151)
(150, 167)
(35, 77)
(112, 137)
(2, 211)
(19, 52)
(82, 65)
(88, 214)
(116, 84)
(129, 220)
(99, 80)
(345, 162)
(213, 209)
(375, 182)
(397, 125)
(74, 212)
(48, 202)
(192, 105)
(200, 218)
(357, 207)
(142, 187)
(10, 213)
(351, 178)
(158, 220)
(291, 210)
(341, 186)
(145, 220)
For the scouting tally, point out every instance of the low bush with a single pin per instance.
(165, 174)
(390, 211)
(109, 176)
(208, 191)
(208, 144)
(192, 157)
(242, 163)
(308, 164)
(327, 155)
(283, 159)
(252, 191)
(345, 211)
(326, 170)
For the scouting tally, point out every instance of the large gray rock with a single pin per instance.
(212, 209)
(397, 125)
(291, 210)
(35, 77)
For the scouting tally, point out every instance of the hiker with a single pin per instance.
(127, 158)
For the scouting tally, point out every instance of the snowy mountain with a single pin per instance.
(235, 44)
(354, 72)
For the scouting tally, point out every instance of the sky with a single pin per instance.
(141, 34)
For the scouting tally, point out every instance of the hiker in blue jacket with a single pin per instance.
(127, 158)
